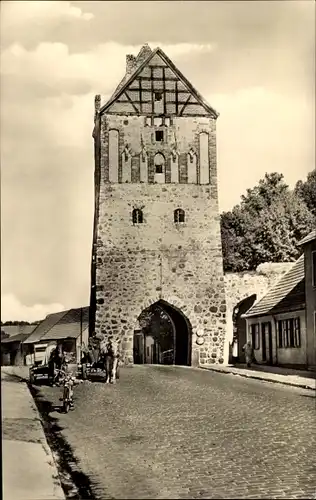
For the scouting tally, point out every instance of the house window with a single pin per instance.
(314, 268)
(137, 216)
(159, 135)
(255, 338)
(289, 333)
(179, 215)
(148, 121)
(158, 96)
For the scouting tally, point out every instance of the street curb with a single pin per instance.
(263, 379)
(58, 490)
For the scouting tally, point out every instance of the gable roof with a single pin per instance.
(124, 84)
(44, 326)
(288, 291)
(69, 325)
(15, 329)
(310, 237)
(19, 337)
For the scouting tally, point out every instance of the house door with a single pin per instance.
(266, 336)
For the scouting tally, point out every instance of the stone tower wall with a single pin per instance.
(136, 265)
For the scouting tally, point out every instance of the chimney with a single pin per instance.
(97, 103)
(144, 52)
(130, 63)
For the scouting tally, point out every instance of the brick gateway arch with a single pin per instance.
(175, 347)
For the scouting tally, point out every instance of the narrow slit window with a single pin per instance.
(137, 216)
(159, 135)
(179, 215)
(158, 96)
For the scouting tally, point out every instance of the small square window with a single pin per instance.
(158, 96)
(159, 169)
(159, 135)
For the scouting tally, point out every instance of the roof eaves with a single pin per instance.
(128, 81)
(308, 238)
(37, 338)
(168, 61)
(253, 311)
(186, 82)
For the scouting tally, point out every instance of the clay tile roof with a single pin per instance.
(69, 325)
(15, 329)
(19, 337)
(287, 283)
(310, 237)
(44, 326)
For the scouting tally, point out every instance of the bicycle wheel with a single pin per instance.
(66, 402)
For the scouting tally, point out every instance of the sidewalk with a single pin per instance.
(28, 467)
(297, 378)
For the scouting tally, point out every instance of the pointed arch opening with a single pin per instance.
(160, 170)
(240, 326)
(179, 216)
(163, 336)
(137, 216)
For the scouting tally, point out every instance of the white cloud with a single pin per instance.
(19, 13)
(13, 310)
(52, 65)
(183, 49)
(261, 131)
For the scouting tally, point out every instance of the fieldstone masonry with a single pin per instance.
(136, 265)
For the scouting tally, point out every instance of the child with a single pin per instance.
(68, 380)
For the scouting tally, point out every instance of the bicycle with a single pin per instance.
(68, 381)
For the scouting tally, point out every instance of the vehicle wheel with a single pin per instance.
(66, 406)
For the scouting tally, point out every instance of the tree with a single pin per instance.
(265, 227)
(155, 321)
(307, 191)
(15, 323)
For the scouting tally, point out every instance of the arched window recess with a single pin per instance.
(137, 216)
(179, 216)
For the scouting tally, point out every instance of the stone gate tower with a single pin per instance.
(156, 227)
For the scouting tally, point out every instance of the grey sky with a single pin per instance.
(253, 61)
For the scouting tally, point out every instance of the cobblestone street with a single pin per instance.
(172, 432)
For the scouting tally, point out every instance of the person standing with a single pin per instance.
(235, 349)
(249, 353)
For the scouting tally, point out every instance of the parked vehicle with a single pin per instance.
(93, 362)
(41, 371)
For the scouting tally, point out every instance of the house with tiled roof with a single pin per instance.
(72, 330)
(308, 244)
(68, 327)
(281, 325)
(12, 352)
